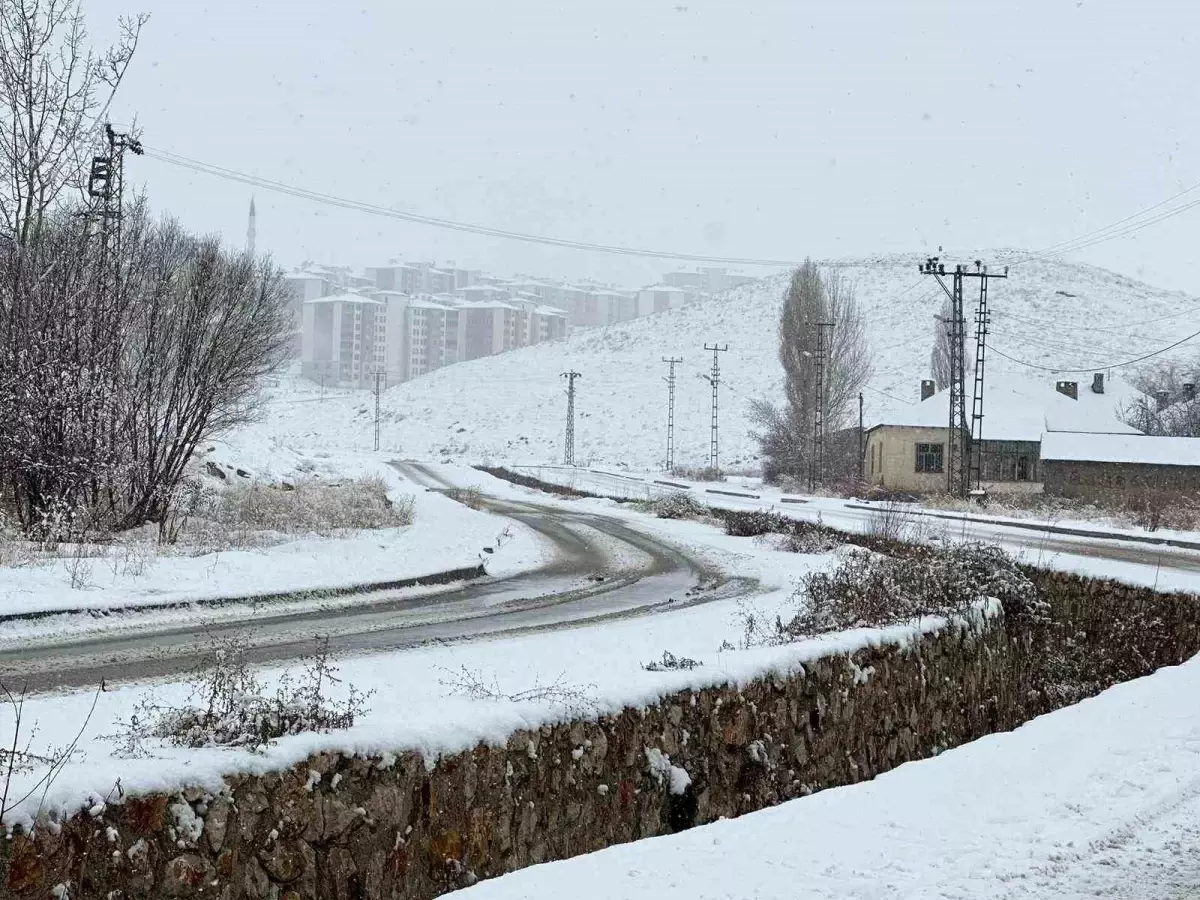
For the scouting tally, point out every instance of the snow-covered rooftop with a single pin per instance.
(345, 298)
(1122, 448)
(1020, 409)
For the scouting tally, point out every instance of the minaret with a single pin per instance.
(250, 231)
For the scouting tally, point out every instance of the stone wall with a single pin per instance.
(1116, 484)
(339, 827)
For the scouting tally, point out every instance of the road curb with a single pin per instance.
(468, 573)
(1048, 529)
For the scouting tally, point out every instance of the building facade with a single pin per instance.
(344, 339)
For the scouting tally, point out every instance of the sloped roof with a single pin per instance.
(1121, 448)
(1019, 409)
(346, 298)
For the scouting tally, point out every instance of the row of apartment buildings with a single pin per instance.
(407, 319)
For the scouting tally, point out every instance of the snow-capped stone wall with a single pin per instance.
(401, 826)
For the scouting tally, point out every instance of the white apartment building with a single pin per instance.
(705, 280)
(344, 339)
(662, 297)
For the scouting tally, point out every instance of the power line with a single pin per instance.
(1118, 365)
(1101, 235)
(195, 165)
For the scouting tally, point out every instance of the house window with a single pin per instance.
(929, 458)
(1022, 468)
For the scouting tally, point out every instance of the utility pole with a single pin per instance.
(860, 438)
(671, 361)
(715, 380)
(106, 184)
(959, 436)
(569, 450)
(983, 318)
(816, 461)
(380, 374)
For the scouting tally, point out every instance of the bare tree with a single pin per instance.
(785, 430)
(55, 90)
(1167, 406)
(114, 387)
(939, 358)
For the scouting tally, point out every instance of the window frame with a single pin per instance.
(922, 451)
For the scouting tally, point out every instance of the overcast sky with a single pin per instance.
(760, 128)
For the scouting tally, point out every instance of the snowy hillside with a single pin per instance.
(512, 406)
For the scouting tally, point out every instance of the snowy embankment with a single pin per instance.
(444, 535)
(1098, 799)
(419, 701)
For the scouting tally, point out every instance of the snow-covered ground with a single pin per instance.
(511, 406)
(602, 662)
(1101, 799)
(444, 535)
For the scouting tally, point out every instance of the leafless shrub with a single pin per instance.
(80, 564)
(888, 521)
(471, 683)
(230, 707)
(18, 758)
(470, 497)
(672, 663)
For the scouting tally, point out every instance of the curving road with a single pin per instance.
(601, 570)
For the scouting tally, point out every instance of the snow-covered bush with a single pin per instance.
(679, 505)
(470, 497)
(672, 663)
(752, 523)
(869, 589)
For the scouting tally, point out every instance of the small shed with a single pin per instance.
(1108, 468)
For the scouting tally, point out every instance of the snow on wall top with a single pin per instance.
(1122, 448)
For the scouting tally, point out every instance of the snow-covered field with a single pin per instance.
(1097, 800)
(511, 406)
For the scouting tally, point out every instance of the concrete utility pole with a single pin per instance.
(671, 361)
(715, 380)
(816, 461)
(380, 374)
(960, 433)
(569, 450)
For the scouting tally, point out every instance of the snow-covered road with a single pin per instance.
(601, 569)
